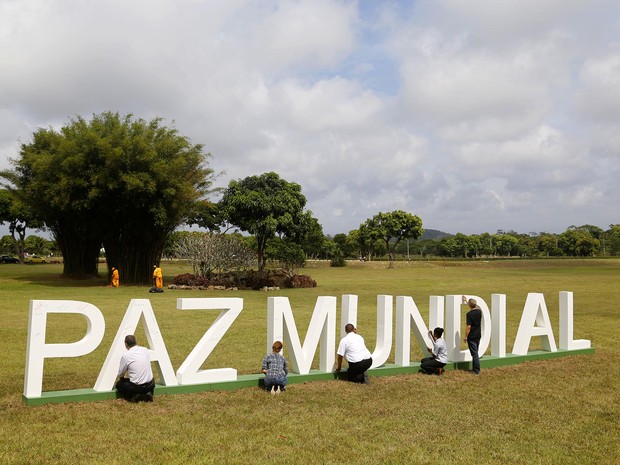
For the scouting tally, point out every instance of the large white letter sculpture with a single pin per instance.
(566, 325)
(498, 319)
(383, 346)
(453, 328)
(534, 322)
(281, 326)
(139, 311)
(322, 327)
(37, 350)
(189, 372)
(348, 312)
(406, 312)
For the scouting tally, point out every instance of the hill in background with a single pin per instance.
(434, 234)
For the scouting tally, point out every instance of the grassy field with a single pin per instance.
(562, 411)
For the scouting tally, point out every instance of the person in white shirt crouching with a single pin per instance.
(439, 354)
(353, 349)
(139, 383)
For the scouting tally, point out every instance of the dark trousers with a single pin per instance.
(126, 389)
(430, 365)
(356, 370)
(475, 359)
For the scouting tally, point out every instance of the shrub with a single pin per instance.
(300, 281)
(338, 262)
(189, 279)
(247, 280)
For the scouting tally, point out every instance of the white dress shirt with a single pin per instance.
(353, 348)
(137, 363)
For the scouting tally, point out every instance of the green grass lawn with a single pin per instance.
(561, 411)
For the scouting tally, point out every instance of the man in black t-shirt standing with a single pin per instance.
(473, 332)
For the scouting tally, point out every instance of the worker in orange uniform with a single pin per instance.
(158, 277)
(115, 279)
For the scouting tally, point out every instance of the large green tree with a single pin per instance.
(391, 228)
(266, 205)
(578, 243)
(115, 180)
(506, 245)
(205, 214)
(367, 243)
(547, 244)
(308, 233)
(347, 247)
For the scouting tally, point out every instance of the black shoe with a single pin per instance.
(366, 379)
(148, 397)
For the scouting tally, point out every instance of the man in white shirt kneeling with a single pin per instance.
(353, 349)
(139, 384)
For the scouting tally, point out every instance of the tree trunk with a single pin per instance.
(134, 254)
(261, 242)
(80, 250)
(20, 240)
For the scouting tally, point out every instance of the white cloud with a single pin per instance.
(598, 97)
(475, 115)
(585, 196)
(306, 33)
(329, 105)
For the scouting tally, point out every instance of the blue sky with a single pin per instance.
(474, 115)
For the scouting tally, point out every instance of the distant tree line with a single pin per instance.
(32, 245)
(576, 241)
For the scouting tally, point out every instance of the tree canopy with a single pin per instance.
(391, 228)
(266, 205)
(114, 180)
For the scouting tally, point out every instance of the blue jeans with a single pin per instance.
(475, 359)
(269, 382)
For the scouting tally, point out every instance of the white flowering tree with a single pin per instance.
(213, 253)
